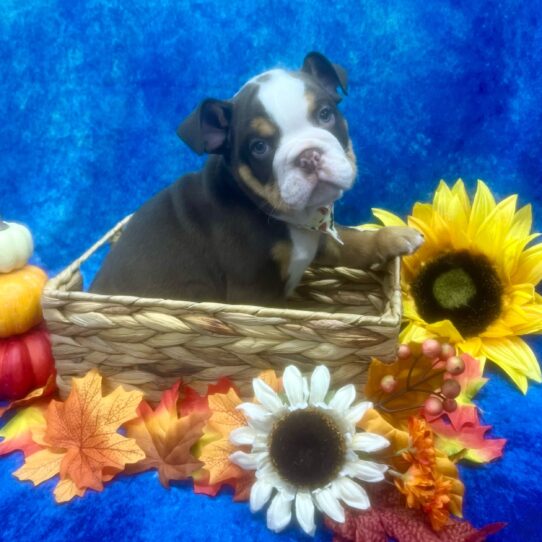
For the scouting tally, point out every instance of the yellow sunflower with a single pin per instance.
(473, 281)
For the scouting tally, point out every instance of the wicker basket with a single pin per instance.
(340, 317)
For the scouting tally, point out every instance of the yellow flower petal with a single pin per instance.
(472, 346)
(529, 268)
(436, 233)
(409, 309)
(496, 330)
(418, 333)
(482, 206)
(518, 378)
(513, 353)
(442, 198)
(414, 333)
(524, 319)
(511, 255)
(533, 312)
(521, 224)
(446, 330)
(423, 212)
(460, 192)
(458, 219)
(387, 218)
(490, 235)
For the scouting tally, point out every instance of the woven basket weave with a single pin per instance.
(338, 316)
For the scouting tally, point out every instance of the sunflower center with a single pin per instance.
(307, 448)
(461, 287)
(454, 289)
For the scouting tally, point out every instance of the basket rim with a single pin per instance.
(55, 290)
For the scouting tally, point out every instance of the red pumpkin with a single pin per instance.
(26, 362)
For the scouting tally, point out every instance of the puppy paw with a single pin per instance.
(394, 241)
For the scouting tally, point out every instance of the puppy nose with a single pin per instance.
(309, 159)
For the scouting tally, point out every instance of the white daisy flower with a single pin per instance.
(306, 451)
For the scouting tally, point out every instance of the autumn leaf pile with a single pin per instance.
(90, 437)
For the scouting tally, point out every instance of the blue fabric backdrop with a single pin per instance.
(92, 92)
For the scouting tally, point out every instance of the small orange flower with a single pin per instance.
(422, 445)
(424, 487)
(438, 507)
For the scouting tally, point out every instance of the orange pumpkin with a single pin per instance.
(26, 362)
(20, 294)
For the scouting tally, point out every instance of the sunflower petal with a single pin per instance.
(242, 436)
(514, 357)
(343, 398)
(292, 380)
(351, 493)
(329, 505)
(368, 471)
(387, 218)
(369, 442)
(414, 333)
(522, 224)
(279, 514)
(260, 494)
(244, 460)
(529, 267)
(446, 330)
(460, 192)
(267, 396)
(490, 237)
(319, 386)
(442, 198)
(304, 512)
(532, 320)
(357, 412)
(482, 206)
(256, 416)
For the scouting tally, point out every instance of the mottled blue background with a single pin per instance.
(91, 94)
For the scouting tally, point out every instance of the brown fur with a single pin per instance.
(366, 249)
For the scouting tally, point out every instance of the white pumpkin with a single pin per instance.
(16, 246)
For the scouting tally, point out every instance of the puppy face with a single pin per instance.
(291, 143)
(284, 137)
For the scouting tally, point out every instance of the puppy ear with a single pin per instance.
(206, 128)
(328, 74)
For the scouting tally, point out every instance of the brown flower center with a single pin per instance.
(461, 287)
(307, 448)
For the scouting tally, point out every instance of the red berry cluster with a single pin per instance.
(443, 357)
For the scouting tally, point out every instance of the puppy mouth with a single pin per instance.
(321, 186)
(312, 169)
(324, 193)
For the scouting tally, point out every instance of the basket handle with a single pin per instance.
(65, 277)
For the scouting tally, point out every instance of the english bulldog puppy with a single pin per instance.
(246, 227)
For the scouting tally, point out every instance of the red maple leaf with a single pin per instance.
(389, 518)
(191, 401)
(461, 432)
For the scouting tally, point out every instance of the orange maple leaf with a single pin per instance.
(225, 418)
(166, 437)
(215, 446)
(405, 401)
(82, 440)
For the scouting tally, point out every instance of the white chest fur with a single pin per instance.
(304, 247)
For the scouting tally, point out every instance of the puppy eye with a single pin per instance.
(326, 116)
(259, 148)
